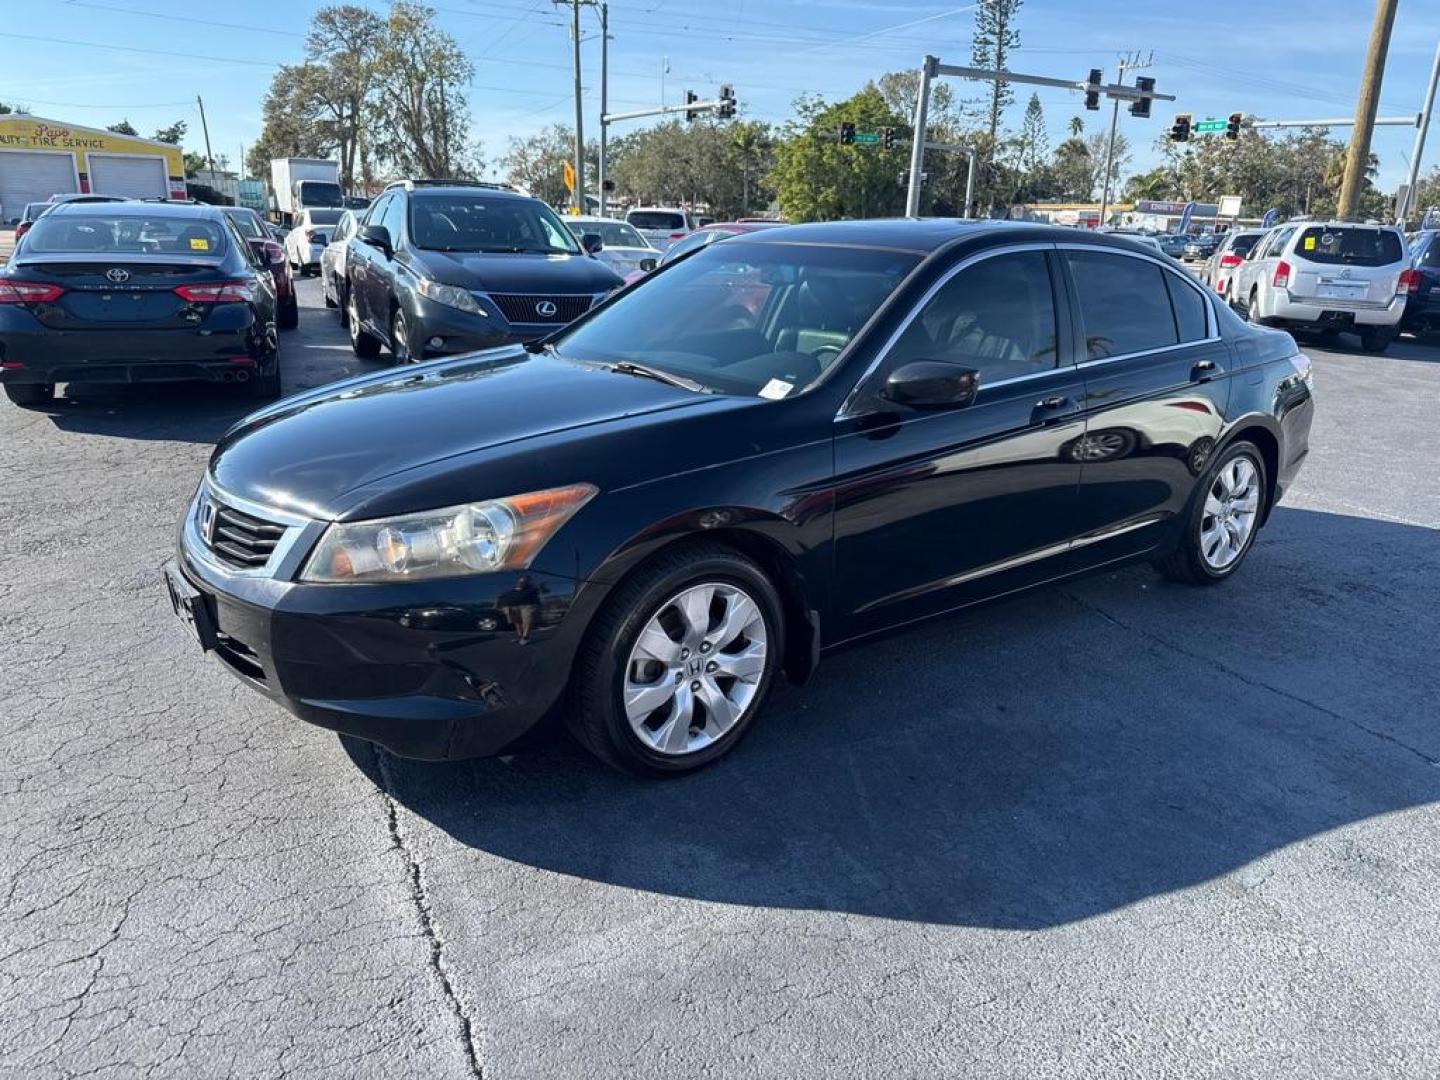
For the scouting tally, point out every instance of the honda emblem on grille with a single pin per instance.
(117, 275)
(545, 309)
(207, 521)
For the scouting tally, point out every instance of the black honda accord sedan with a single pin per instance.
(135, 292)
(772, 448)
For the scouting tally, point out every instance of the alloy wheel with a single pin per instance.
(695, 668)
(1231, 507)
(400, 337)
(352, 317)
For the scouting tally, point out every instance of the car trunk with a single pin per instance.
(1348, 264)
(144, 299)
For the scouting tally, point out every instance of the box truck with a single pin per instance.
(300, 183)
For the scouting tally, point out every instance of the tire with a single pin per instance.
(1377, 339)
(1251, 309)
(364, 344)
(288, 316)
(1189, 562)
(330, 301)
(400, 343)
(611, 657)
(30, 395)
(342, 299)
(266, 387)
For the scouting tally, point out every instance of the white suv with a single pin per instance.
(661, 226)
(1326, 276)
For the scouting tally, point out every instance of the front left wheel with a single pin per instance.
(679, 662)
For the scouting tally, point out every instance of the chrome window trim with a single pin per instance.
(919, 305)
(1212, 322)
(295, 542)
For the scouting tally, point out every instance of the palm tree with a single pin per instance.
(1077, 126)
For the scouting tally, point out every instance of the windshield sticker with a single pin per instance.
(1327, 239)
(776, 389)
(199, 244)
(1309, 243)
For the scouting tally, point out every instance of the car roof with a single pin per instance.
(924, 235)
(457, 189)
(141, 209)
(740, 226)
(662, 209)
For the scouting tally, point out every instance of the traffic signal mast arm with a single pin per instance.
(719, 106)
(1110, 90)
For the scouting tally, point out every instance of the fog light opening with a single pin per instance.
(436, 343)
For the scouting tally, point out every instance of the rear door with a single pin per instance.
(1352, 264)
(938, 507)
(1154, 397)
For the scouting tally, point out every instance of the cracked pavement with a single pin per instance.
(1117, 828)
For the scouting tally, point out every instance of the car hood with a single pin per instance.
(308, 453)
(516, 273)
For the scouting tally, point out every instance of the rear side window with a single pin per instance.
(1241, 245)
(1123, 303)
(655, 219)
(1349, 246)
(126, 233)
(1189, 309)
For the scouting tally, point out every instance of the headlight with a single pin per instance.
(476, 538)
(450, 296)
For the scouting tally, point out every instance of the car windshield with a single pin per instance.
(132, 233)
(611, 233)
(743, 317)
(656, 219)
(325, 217)
(1349, 245)
(248, 225)
(488, 223)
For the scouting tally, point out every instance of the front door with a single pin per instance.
(937, 507)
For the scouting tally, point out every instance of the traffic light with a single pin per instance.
(690, 98)
(1141, 107)
(887, 138)
(1232, 128)
(1092, 92)
(727, 102)
(847, 133)
(1180, 129)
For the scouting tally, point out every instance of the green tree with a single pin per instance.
(995, 37)
(1427, 193)
(537, 164)
(1076, 126)
(172, 134)
(1155, 184)
(1032, 144)
(818, 179)
(420, 112)
(1073, 170)
(124, 127)
(337, 84)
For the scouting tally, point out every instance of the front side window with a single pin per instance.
(1349, 245)
(131, 233)
(743, 317)
(996, 316)
(394, 218)
(376, 212)
(488, 223)
(1124, 304)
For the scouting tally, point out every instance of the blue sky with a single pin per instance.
(1291, 59)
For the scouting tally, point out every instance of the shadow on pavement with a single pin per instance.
(197, 412)
(1025, 764)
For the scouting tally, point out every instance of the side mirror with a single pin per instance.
(647, 265)
(592, 243)
(932, 384)
(377, 236)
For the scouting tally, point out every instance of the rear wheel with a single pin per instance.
(364, 344)
(1222, 520)
(1377, 339)
(30, 395)
(678, 664)
(288, 315)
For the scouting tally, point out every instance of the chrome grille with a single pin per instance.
(521, 308)
(237, 539)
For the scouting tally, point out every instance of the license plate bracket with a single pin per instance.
(192, 607)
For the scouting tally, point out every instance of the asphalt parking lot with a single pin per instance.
(1119, 828)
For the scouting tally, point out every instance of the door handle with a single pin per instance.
(1055, 402)
(1202, 370)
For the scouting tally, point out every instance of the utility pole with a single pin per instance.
(1403, 212)
(1127, 63)
(604, 97)
(1358, 159)
(579, 192)
(209, 158)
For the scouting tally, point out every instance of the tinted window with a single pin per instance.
(997, 316)
(656, 219)
(1349, 245)
(377, 209)
(133, 233)
(1123, 304)
(344, 227)
(1430, 256)
(690, 243)
(394, 218)
(744, 317)
(247, 224)
(318, 193)
(500, 223)
(1189, 308)
(325, 217)
(611, 233)
(1241, 245)
(1278, 241)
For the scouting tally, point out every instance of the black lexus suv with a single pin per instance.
(449, 266)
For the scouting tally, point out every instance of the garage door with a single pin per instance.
(133, 177)
(28, 176)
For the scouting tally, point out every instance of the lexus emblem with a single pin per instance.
(117, 275)
(546, 309)
(207, 521)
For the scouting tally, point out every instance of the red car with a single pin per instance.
(247, 221)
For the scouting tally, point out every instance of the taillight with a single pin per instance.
(273, 251)
(21, 229)
(677, 236)
(1230, 260)
(1409, 281)
(1281, 280)
(28, 292)
(223, 292)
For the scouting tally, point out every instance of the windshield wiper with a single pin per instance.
(524, 251)
(626, 367)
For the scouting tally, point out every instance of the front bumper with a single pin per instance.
(227, 342)
(432, 670)
(1314, 312)
(444, 330)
